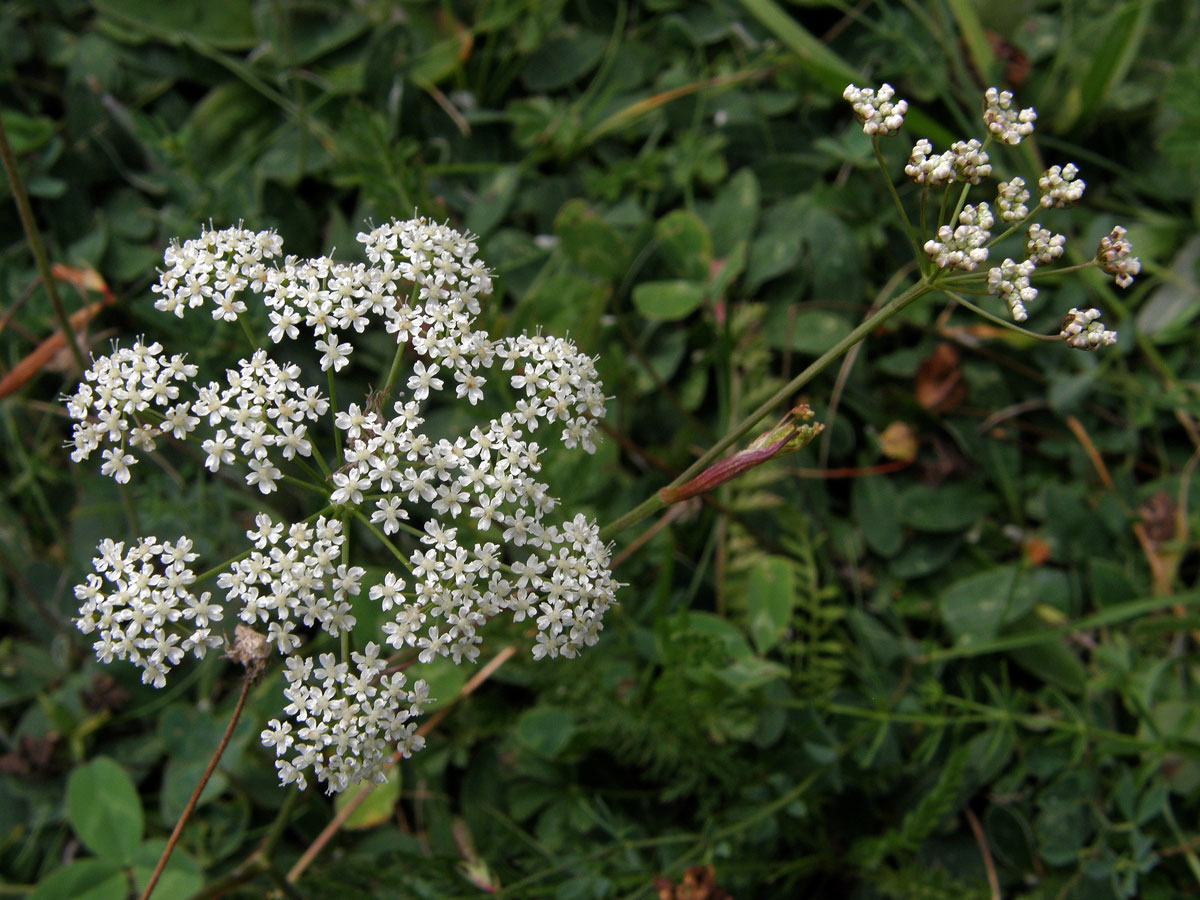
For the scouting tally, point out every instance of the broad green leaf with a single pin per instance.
(85, 879)
(180, 777)
(181, 879)
(805, 330)
(875, 507)
(752, 672)
(721, 630)
(684, 245)
(224, 26)
(734, 215)
(770, 597)
(589, 241)
(923, 555)
(545, 729)
(1054, 663)
(977, 607)
(948, 508)
(772, 254)
(668, 300)
(26, 133)
(104, 809)
(562, 60)
(492, 202)
(378, 806)
(445, 680)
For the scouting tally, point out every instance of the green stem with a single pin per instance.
(33, 236)
(333, 411)
(1003, 323)
(655, 502)
(394, 371)
(908, 225)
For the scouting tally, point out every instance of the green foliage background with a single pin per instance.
(873, 685)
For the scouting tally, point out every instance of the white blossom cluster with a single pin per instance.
(1003, 122)
(1083, 330)
(490, 542)
(134, 598)
(1115, 256)
(876, 110)
(115, 395)
(963, 247)
(347, 720)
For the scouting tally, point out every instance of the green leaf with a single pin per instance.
(180, 778)
(445, 680)
(734, 215)
(26, 133)
(1054, 663)
(224, 26)
(104, 809)
(874, 503)
(668, 300)
(378, 806)
(181, 878)
(590, 242)
(948, 508)
(491, 204)
(975, 608)
(684, 244)
(85, 879)
(805, 330)
(562, 60)
(770, 597)
(545, 729)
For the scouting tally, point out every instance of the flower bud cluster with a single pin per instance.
(1011, 198)
(965, 161)
(1010, 282)
(963, 247)
(876, 111)
(1083, 330)
(134, 598)
(1115, 256)
(1060, 186)
(1005, 123)
(490, 542)
(1044, 246)
(346, 721)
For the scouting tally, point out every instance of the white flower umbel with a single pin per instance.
(488, 539)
